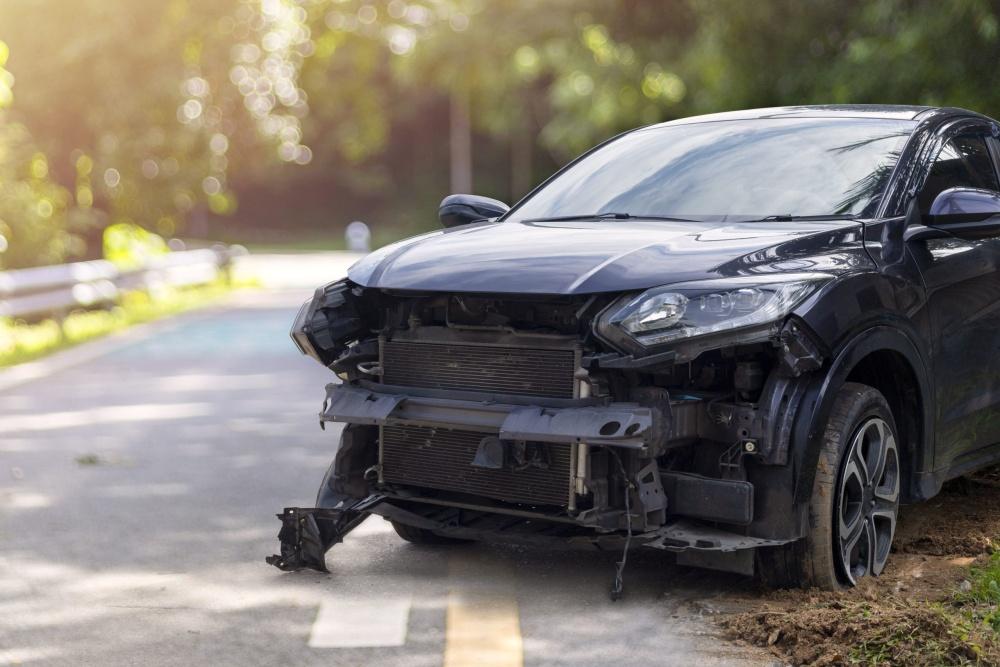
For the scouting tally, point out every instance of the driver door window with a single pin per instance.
(964, 161)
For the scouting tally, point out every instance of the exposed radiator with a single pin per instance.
(438, 458)
(494, 369)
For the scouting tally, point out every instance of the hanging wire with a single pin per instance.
(618, 587)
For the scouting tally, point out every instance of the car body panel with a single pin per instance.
(601, 256)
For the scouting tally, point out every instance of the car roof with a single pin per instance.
(879, 111)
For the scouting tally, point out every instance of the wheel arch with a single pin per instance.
(886, 358)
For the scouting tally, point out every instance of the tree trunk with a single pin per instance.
(520, 162)
(460, 143)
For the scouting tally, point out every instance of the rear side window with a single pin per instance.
(963, 162)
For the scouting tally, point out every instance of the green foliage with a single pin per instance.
(6, 78)
(136, 108)
(180, 116)
(130, 246)
(832, 51)
(34, 218)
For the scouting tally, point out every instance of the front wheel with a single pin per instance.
(855, 499)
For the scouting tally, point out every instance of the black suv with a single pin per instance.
(745, 338)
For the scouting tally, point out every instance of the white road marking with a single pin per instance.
(360, 623)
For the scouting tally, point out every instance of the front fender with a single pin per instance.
(823, 389)
(783, 492)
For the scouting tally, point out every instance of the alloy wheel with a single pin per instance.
(868, 501)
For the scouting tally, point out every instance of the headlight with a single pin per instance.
(684, 310)
(299, 331)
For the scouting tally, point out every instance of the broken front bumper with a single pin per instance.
(569, 421)
(307, 533)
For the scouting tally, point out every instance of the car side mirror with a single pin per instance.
(968, 213)
(458, 210)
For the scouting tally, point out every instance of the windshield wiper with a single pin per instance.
(787, 217)
(607, 216)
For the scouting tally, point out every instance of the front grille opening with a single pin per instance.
(439, 458)
(486, 368)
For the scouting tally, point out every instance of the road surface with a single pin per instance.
(139, 479)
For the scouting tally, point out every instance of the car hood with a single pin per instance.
(604, 256)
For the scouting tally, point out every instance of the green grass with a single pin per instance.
(959, 630)
(927, 634)
(21, 342)
(982, 601)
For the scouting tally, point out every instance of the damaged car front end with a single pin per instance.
(542, 418)
(728, 357)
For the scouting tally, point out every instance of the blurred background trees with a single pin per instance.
(279, 121)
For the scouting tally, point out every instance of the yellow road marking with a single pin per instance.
(483, 630)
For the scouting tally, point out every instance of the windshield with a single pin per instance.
(731, 170)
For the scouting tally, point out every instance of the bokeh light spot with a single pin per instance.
(44, 208)
(303, 155)
(84, 197)
(150, 169)
(84, 165)
(211, 185)
(526, 60)
(112, 177)
(367, 14)
(166, 226)
(401, 40)
(397, 9)
(582, 84)
(219, 143)
(39, 167)
(191, 109)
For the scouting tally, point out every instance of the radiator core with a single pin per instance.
(439, 458)
(501, 370)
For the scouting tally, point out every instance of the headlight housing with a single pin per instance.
(685, 310)
(328, 322)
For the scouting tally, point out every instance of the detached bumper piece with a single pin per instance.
(307, 534)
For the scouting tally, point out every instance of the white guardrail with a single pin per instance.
(54, 291)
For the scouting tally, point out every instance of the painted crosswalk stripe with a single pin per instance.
(360, 623)
(483, 629)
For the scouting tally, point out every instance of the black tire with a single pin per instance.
(423, 536)
(852, 512)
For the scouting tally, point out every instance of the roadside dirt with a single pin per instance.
(907, 616)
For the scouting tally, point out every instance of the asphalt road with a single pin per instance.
(138, 486)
